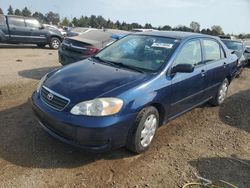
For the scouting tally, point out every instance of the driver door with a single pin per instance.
(187, 88)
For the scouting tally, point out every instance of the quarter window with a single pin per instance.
(212, 50)
(16, 22)
(190, 54)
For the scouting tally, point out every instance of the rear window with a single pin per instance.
(212, 50)
(233, 45)
(16, 22)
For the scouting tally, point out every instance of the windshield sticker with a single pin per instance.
(162, 45)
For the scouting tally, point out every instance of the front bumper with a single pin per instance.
(95, 134)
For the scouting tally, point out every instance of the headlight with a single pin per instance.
(41, 83)
(98, 107)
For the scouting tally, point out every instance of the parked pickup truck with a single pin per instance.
(18, 29)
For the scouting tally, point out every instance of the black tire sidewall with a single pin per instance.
(139, 125)
(218, 93)
(51, 43)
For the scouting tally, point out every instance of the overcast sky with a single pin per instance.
(232, 15)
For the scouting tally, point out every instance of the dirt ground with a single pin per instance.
(212, 142)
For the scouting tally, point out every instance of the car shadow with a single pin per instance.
(21, 46)
(236, 109)
(230, 169)
(37, 73)
(25, 143)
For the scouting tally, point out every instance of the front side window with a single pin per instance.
(148, 53)
(190, 54)
(212, 50)
(16, 22)
(32, 23)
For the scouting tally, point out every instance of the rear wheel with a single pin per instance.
(143, 131)
(55, 43)
(221, 93)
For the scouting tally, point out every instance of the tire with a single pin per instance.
(221, 93)
(141, 133)
(55, 43)
(41, 45)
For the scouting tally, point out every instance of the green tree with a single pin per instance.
(217, 30)
(39, 16)
(83, 21)
(195, 26)
(52, 18)
(166, 28)
(75, 22)
(148, 26)
(65, 22)
(18, 12)
(10, 10)
(26, 12)
(1, 11)
(182, 28)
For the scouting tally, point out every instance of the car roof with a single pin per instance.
(173, 34)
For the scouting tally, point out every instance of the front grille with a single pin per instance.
(53, 99)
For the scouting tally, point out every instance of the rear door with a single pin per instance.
(17, 29)
(187, 88)
(36, 32)
(216, 65)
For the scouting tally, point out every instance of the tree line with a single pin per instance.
(101, 22)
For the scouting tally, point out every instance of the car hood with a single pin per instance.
(86, 80)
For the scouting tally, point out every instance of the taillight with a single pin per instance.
(90, 51)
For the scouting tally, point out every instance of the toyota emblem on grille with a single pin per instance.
(50, 96)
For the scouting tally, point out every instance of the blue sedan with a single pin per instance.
(120, 96)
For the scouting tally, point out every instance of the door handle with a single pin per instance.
(203, 73)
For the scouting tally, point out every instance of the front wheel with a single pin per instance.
(54, 43)
(143, 131)
(221, 93)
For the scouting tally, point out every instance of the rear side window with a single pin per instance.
(32, 23)
(212, 50)
(16, 22)
(190, 54)
(2, 20)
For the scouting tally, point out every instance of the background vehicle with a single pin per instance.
(87, 44)
(18, 29)
(238, 49)
(62, 31)
(71, 32)
(120, 96)
(247, 51)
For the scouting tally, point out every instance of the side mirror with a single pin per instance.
(184, 68)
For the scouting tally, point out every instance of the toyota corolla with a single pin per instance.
(120, 96)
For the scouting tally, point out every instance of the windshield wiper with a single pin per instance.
(102, 60)
(129, 67)
(117, 64)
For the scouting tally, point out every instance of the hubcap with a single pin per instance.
(223, 93)
(55, 43)
(148, 131)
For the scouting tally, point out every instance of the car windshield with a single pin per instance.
(147, 53)
(233, 45)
